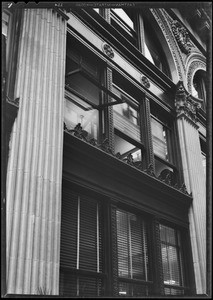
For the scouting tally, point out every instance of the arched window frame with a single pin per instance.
(199, 87)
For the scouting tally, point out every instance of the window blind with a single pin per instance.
(132, 254)
(81, 246)
(171, 259)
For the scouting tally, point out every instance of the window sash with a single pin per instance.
(81, 242)
(171, 257)
(132, 246)
(160, 139)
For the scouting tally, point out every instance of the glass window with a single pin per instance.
(204, 162)
(199, 87)
(126, 114)
(123, 22)
(159, 136)
(126, 149)
(127, 133)
(203, 153)
(133, 260)
(163, 157)
(5, 23)
(83, 95)
(124, 17)
(171, 260)
(153, 49)
(81, 246)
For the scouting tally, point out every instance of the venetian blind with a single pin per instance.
(132, 246)
(81, 245)
(171, 256)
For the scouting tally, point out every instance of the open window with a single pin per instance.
(86, 94)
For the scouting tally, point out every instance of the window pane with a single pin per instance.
(159, 137)
(84, 114)
(5, 23)
(132, 246)
(125, 148)
(132, 290)
(123, 15)
(88, 235)
(81, 245)
(126, 117)
(84, 87)
(171, 256)
(204, 162)
(72, 286)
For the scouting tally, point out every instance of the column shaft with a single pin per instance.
(34, 173)
(195, 181)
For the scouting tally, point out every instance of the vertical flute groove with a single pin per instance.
(35, 161)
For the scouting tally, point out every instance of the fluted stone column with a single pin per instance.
(34, 174)
(194, 178)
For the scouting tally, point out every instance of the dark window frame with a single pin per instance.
(123, 28)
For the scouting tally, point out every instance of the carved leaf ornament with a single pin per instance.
(181, 36)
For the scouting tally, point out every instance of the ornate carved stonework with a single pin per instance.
(107, 49)
(181, 36)
(145, 81)
(193, 67)
(186, 103)
(164, 21)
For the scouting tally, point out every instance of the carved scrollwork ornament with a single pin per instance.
(145, 81)
(181, 36)
(186, 103)
(107, 49)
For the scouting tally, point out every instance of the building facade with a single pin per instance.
(106, 142)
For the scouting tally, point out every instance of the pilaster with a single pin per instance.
(187, 107)
(34, 173)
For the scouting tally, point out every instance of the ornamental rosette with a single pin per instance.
(145, 82)
(107, 49)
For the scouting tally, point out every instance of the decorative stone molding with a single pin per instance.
(193, 67)
(186, 103)
(164, 21)
(107, 49)
(145, 81)
(181, 36)
(105, 146)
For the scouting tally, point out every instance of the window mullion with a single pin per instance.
(146, 133)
